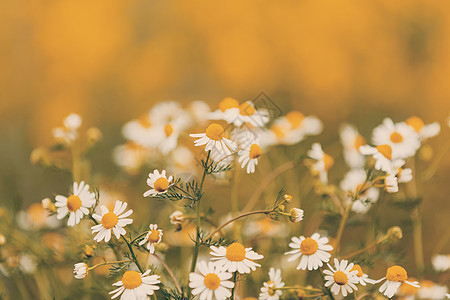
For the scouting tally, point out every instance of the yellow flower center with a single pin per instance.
(386, 150)
(271, 291)
(215, 132)
(255, 151)
(396, 273)
(416, 123)
(168, 130)
(278, 131)
(396, 137)
(73, 203)
(295, 118)
(309, 246)
(359, 141)
(109, 220)
(144, 120)
(246, 109)
(340, 277)
(153, 237)
(161, 184)
(211, 281)
(359, 269)
(131, 280)
(236, 252)
(328, 161)
(228, 103)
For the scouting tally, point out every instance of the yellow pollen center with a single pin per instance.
(278, 131)
(386, 150)
(212, 281)
(271, 291)
(131, 280)
(309, 246)
(153, 237)
(109, 220)
(359, 269)
(396, 273)
(73, 203)
(340, 277)
(168, 130)
(161, 184)
(145, 121)
(228, 103)
(215, 132)
(236, 252)
(246, 109)
(295, 118)
(416, 123)
(255, 151)
(359, 141)
(328, 161)
(396, 137)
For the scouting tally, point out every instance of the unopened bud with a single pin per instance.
(48, 205)
(426, 152)
(39, 155)
(88, 251)
(296, 215)
(177, 217)
(281, 208)
(287, 198)
(395, 232)
(2, 239)
(93, 135)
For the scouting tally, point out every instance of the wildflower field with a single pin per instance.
(244, 151)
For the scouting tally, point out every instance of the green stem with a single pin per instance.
(235, 198)
(326, 288)
(133, 255)
(341, 228)
(177, 285)
(233, 296)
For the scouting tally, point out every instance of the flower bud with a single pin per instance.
(80, 270)
(296, 215)
(2, 239)
(395, 232)
(287, 198)
(88, 251)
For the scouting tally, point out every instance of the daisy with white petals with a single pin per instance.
(352, 140)
(111, 221)
(249, 156)
(312, 250)
(80, 270)
(382, 155)
(228, 110)
(69, 131)
(136, 286)
(153, 238)
(235, 257)
(158, 182)
(424, 131)
(249, 114)
(76, 205)
(354, 184)
(391, 183)
(211, 283)
(395, 276)
(363, 279)
(323, 164)
(343, 280)
(268, 291)
(214, 139)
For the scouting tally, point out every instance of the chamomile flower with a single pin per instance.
(249, 114)
(130, 156)
(352, 183)
(211, 283)
(228, 110)
(153, 238)
(352, 140)
(400, 136)
(431, 290)
(177, 217)
(363, 278)
(441, 263)
(313, 251)
(235, 257)
(391, 183)
(76, 205)
(323, 162)
(343, 280)
(198, 110)
(69, 131)
(424, 131)
(382, 155)
(249, 156)
(296, 215)
(395, 276)
(268, 291)
(136, 286)
(143, 131)
(214, 139)
(111, 221)
(403, 174)
(80, 270)
(158, 182)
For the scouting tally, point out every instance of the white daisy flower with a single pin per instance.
(143, 131)
(130, 156)
(391, 183)
(158, 182)
(268, 290)
(342, 280)
(177, 217)
(111, 221)
(424, 131)
(199, 110)
(249, 156)
(249, 114)
(382, 155)
(363, 279)
(228, 110)
(431, 290)
(312, 250)
(323, 164)
(403, 174)
(80, 270)
(395, 276)
(352, 183)
(351, 140)
(296, 215)
(211, 283)
(153, 238)
(235, 257)
(214, 139)
(68, 132)
(441, 263)
(400, 136)
(76, 205)
(136, 286)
